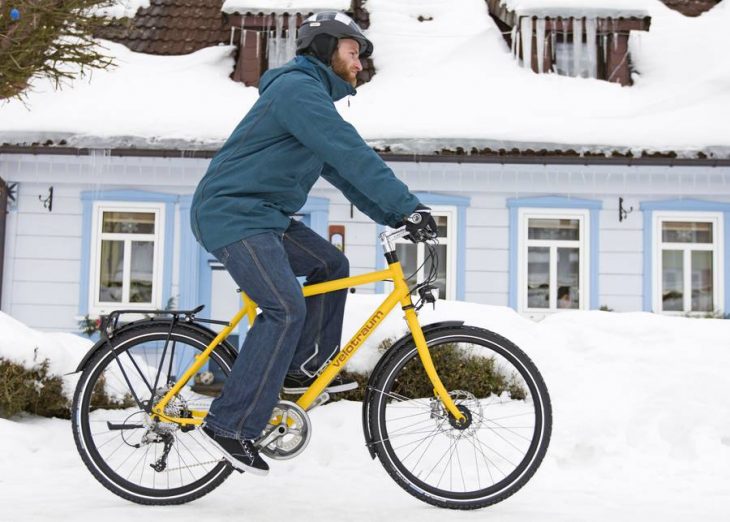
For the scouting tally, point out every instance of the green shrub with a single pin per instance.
(457, 370)
(31, 390)
(480, 376)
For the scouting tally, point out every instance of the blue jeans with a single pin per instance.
(290, 335)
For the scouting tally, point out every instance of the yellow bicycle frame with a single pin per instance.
(400, 294)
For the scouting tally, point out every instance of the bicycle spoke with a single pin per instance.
(454, 464)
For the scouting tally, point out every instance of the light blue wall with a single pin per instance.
(681, 205)
(88, 198)
(593, 206)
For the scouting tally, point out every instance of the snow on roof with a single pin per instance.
(284, 6)
(443, 83)
(579, 8)
(121, 8)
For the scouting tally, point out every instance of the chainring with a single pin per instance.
(296, 431)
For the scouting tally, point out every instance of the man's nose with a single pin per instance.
(358, 64)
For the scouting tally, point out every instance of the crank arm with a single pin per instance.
(278, 431)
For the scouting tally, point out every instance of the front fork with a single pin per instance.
(414, 326)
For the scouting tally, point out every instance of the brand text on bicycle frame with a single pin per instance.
(361, 335)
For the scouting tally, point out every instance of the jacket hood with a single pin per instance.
(336, 86)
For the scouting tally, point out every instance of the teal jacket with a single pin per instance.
(292, 135)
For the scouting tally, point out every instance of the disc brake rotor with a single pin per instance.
(468, 404)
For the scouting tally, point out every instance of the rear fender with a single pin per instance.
(106, 343)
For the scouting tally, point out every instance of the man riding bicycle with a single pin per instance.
(242, 213)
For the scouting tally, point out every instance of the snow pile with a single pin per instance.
(29, 348)
(284, 6)
(579, 8)
(446, 81)
(162, 99)
(641, 432)
(122, 8)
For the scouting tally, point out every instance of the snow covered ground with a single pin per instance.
(641, 432)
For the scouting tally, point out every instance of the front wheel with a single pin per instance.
(455, 465)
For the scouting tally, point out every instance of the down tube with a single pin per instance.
(334, 367)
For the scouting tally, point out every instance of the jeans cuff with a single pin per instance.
(222, 432)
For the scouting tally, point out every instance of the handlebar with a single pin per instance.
(387, 239)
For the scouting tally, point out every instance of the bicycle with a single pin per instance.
(460, 438)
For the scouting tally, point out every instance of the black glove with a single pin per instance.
(420, 225)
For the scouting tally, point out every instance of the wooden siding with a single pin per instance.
(43, 249)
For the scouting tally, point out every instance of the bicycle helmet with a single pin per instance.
(318, 35)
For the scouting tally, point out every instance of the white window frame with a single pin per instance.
(716, 218)
(583, 245)
(97, 307)
(450, 213)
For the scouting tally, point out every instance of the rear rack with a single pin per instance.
(110, 322)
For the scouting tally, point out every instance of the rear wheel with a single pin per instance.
(134, 456)
(476, 463)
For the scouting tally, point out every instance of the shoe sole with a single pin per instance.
(332, 389)
(234, 462)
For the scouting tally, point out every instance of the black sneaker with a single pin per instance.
(300, 383)
(242, 455)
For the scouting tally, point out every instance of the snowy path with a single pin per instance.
(641, 433)
(44, 479)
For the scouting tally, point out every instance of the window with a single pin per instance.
(553, 254)
(565, 65)
(687, 272)
(126, 260)
(413, 256)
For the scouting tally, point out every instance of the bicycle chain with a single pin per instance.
(170, 470)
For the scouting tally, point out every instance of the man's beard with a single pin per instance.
(341, 70)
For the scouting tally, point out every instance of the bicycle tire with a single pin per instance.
(138, 344)
(498, 406)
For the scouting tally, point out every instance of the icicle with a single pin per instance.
(577, 45)
(566, 23)
(615, 33)
(291, 38)
(267, 25)
(553, 42)
(592, 46)
(514, 41)
(233, 31)
(540, 32)
(279, 36)
(526, 30)
(604, 43)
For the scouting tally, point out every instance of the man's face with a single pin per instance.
(346, 61)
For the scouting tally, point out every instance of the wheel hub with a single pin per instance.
(469, 406)
(463, 423)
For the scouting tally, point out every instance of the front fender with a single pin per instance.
(407, 338)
